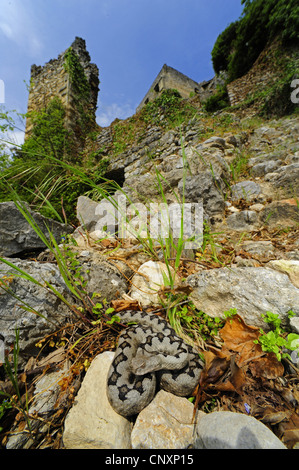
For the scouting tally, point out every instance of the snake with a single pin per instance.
(149, 356)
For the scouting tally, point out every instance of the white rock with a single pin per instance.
(290, 267)
(228, 430)
(147, 282)
(164, 424)
(92, 423)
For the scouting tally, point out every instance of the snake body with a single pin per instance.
(149, 355)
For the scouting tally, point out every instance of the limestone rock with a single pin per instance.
(245, 190)
(16, 234)
(251, 290)
(290, 267)
(164, 424)
(51, 312)
(228, 430)
(147, 282)
(92, 423)
(204, 187)
(243, 221)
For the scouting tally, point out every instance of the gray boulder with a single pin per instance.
(18, 296)
(252, 291)
(205, 187)
(228, 430)
(16, 234)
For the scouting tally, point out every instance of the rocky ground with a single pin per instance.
(246, 172)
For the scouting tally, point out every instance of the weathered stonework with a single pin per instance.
(168, 78)
(55, 80)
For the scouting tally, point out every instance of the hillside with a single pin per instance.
(174, 232)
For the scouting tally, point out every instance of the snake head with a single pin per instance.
(142, 363)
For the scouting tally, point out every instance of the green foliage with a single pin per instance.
(76, 72)
(240, 44)
(168, 110)
(48, 135)
(223, 48)
(39, 168)
(217, 101)
(276, 340)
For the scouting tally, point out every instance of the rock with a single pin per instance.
(46, 393)
(290, 267)
(91, 422)
(215, 141)
(294, 324)
(102, 277)
(99, 218)
(86, 209)
(16, 234)
(228, 430)
(245, 190)
(147, 282)
(284, 213)
(204, 187)
(243, 221)
(164, 424)
(263, 168)
(260, 248)
(48, 314)
(252, 291)
(287, 178)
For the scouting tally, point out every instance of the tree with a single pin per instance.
(261, 22)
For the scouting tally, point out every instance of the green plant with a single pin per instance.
(277, 340)
(217, 101)
(239, 45)
(12, 372)
(169, 109)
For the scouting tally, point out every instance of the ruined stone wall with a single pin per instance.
(262, 74)
(169, 78)
(54, 80)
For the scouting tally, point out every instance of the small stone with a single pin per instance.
(164, 424)
(245, 190)
(147, 282)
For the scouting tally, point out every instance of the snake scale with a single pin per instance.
(149, 355)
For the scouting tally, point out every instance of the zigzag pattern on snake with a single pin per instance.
(148, 355)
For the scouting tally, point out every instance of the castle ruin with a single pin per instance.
(74, 80)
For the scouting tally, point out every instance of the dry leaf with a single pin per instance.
(216, 363)
(267, 366)
(239, 338)
(124, 304)
(289, 431)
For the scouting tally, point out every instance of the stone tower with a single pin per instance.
(75, 81)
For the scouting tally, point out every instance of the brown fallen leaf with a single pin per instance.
(233, 380)
(274, 417)
(239, 338)
(124, 304)
(289, 431)
(216, 363)
(267, 366)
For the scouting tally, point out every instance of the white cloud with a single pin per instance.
(107, 114)
(17, 23)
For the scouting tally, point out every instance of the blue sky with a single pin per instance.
(129, 40)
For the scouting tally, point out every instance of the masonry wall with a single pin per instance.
(53, 80)
(169, 78)
(262, 74)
